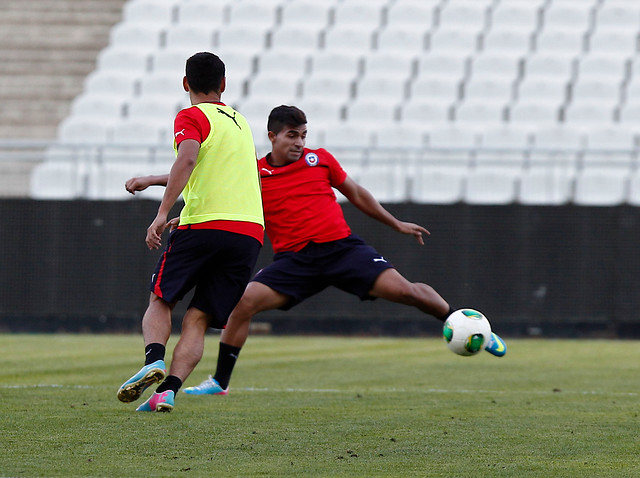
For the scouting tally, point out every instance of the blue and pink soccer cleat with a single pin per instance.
(209, 387)
(496, 346)
(133, 388)
(159, 402)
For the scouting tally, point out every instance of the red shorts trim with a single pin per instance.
(250, 229)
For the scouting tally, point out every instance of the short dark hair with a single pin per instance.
(283, 115)
(205, 72)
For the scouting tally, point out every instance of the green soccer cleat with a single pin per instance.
(209, 387)
(496, 346)
(133, 388)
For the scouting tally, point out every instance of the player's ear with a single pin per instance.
(185, 84)
(271, 135)
(223, 84)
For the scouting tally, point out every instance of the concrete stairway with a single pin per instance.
(47, 48)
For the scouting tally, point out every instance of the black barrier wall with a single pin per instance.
(553, 271)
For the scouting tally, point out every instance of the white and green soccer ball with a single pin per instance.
(466, 332)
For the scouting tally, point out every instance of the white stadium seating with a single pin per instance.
(432, 101)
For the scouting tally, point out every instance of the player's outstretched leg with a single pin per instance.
(132, 389)
(209, 387)
(496, 345)
(159, 402)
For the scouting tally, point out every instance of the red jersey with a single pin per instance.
(299, 203)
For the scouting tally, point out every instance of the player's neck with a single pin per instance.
(197, 98)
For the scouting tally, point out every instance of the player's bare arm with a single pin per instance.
(143, 182)
(178, 178)
(365, 202)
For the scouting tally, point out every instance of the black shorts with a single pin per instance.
(217, 263)
(348, 264)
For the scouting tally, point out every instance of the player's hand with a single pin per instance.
(154, 232)
(173, 224)
(413, 230)
(136, 184)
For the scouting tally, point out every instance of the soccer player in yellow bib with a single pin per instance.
(216, 244)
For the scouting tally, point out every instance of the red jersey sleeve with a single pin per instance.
(191, 123)
(337, 175)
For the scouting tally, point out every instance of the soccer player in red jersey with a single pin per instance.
(314, 247)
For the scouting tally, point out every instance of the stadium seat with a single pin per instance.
(189, 37)
(550, 66)
(282, 63)
(148, 12)
(471, 15)
(437, 185)
(532, 112)
(576, 16)
(545, 90)
(358, 13)
(618, 15)
(389, 66)
(346, 135)
(490, 89)
(451, 145)
(154, 107)
(327, 86)
(425, 110)
(370, 110)
(382, 88)
(292, 38)
(109, 107)
(613, 147)
(615, 43)
(163, 83)
(588, 113)
(503, 146)
(492, 65)
(85, 130)
(490, 186)
(387, 183)
(460, 41)
(601, 90)
(124, 58)
(353, 38)
(443, 66)
(438, 90)
(402, 40)
(412, 15)
(118, 83)
(142, 35)
(231, 39)
(274, 85)
(507, 41)
(521, 15)
(299, 12)
(560, 42)
(545, 187)
(321, 112)
(595, 66)
(253, 13)
(57, 180)
(484, 112)
(195, 12)
(601, 187)
(400, 136)
(106, 182)
(336, 64)
(556, 146)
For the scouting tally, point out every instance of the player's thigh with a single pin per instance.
(259, 297)
(391, 285)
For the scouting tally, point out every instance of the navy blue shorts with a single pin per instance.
(348, 264)
(217, 263)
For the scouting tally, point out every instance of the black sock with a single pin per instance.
(170, 383)
(153, 352)
(227, 356)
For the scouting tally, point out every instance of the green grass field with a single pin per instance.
(329, 407)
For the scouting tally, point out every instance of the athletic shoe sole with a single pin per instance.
(131, 392)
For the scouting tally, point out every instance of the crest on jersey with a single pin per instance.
(311, 159)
